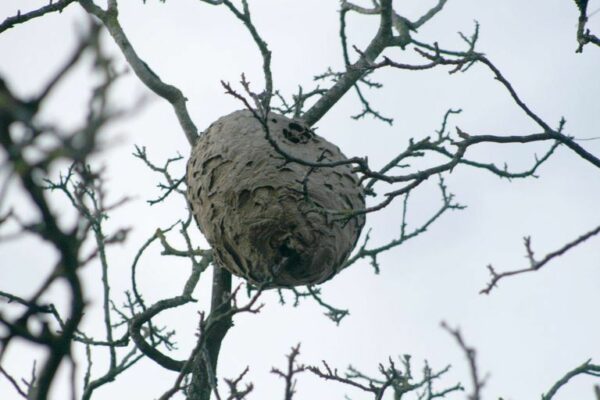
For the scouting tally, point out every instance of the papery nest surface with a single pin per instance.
(270, 220)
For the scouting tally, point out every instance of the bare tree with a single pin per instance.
(33, 150)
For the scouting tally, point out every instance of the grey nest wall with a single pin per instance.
(270, 220)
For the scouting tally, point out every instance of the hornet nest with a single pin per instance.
(268, 219)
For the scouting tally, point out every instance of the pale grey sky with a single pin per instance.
(528, 333)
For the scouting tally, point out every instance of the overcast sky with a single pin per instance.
(528, 333)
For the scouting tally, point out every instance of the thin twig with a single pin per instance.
(470, 353)
(535, 265)
(20, 18)
(587, 368)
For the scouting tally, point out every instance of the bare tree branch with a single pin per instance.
(245, 17)
(399, 381)
(66, 241)
(168, 92)
(137, 322)
(293, 368)
(335, 314)
(20, 18)
(13, 382)
(357, 71)
(587, 368)
(382, 39)
(535, 265)
(372, 253)
(234, 392)
(470, 353)
(584, 36)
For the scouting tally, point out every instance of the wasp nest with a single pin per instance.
(268, 219)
